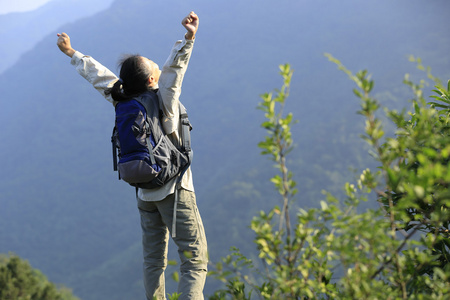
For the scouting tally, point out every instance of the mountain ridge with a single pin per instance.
(20, 31)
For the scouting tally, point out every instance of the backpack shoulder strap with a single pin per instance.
(150, 101)
(186, 128)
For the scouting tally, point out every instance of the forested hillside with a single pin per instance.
(61, 205)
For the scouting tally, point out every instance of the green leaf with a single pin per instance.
(357, 93)
(172, 262)
(438, 105)
(176, 277)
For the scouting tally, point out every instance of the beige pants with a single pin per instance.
(156, 223)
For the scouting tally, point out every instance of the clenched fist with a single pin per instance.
(63, 43)
(190, 22)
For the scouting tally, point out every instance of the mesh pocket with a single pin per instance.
(169, 158)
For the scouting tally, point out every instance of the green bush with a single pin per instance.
(399, 251)
(19, 281)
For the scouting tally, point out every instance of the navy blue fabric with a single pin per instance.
(127, 114)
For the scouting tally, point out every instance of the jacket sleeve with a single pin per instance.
(95, 73)
(170, 82)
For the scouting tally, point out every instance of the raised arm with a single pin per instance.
(173, 72)
(90, 69)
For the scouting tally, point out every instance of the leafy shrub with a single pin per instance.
(399, 251)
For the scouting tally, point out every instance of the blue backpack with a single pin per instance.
(142, 153)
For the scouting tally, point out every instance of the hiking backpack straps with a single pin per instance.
(186, 148)
(186, 128)
(147, 157)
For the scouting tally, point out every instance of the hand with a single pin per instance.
(190, 22)
(63, 43)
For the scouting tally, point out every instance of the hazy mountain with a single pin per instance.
(20, 31)
(61, 205)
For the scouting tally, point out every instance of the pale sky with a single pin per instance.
(7, 6)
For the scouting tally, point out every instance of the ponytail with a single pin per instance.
(117, 92)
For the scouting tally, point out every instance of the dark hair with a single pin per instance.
(134, 75)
